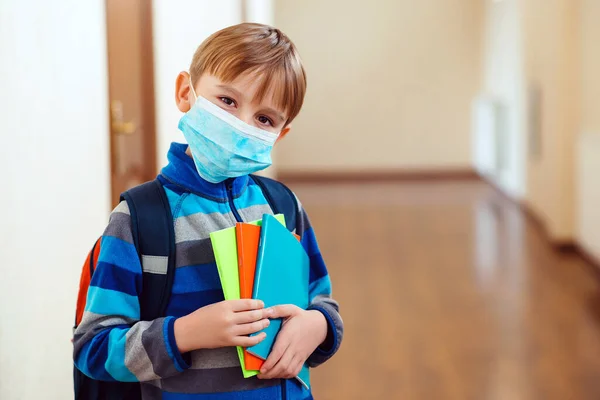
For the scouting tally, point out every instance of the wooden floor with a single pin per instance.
(449, 292)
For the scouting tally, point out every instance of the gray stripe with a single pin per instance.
(92, 324)
(136, 357)
(155, 264)
(194, 252)
(150, 392)
(122, 208)
(214, 381)
(120, 227)
(254, 213)
(199, 226)
(154, 344)
(224, 357)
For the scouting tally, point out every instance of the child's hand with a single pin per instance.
(302, 332)
(223, 324)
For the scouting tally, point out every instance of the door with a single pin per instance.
(131, 94)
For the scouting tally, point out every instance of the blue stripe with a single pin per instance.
(197, 205)
(171, 346)
(252, 196)
(112, 302)
(331, 328)
(113, 277)
(320, 286)
(92, 356)
(309, 242)
(115, 361)
(317, 268)
(195, 278)
(174, 196)
(269, 393)
(175, 189)
(186, 303)
(119, 252)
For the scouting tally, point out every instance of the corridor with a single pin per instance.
(449, 292)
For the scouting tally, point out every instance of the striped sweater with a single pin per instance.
(112, 343)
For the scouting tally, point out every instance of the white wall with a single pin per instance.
(55, 191)
(503, 81)
(260, 11)
(179, 28)
(390, 83)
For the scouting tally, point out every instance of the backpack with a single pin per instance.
(154, 239)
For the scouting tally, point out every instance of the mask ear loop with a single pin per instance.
(192, 88)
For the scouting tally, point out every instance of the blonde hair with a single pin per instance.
(259, 49)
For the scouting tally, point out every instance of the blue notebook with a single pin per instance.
(281, 277)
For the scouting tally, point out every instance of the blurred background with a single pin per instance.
(447, 154)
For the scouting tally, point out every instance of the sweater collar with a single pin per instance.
(182, 172)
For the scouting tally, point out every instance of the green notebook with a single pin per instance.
(224, 244)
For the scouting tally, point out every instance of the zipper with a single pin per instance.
(236, 214)
(283, 389)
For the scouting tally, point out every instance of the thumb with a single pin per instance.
(284, 311)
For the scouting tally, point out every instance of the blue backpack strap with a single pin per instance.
(280, 198)
(154, 239)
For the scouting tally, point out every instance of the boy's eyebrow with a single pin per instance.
(230, 89)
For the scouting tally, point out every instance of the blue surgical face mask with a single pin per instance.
(222, 145)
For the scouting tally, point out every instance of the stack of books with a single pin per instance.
(263, 260)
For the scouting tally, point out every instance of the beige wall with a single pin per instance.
(590, 73)
(588, 164)
(552, 62)
(390, 83)
(534, 45)
(552, 45)
(588, 194)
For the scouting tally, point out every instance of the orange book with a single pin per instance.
(248, 237)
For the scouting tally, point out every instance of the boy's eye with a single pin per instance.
(265, 120)
(228, 101)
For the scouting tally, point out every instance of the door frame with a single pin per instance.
(148, 119)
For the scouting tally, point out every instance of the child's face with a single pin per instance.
(237, 97)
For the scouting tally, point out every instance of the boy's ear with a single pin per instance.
(183, 96)
(284, 132)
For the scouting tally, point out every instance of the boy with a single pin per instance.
(245, 86)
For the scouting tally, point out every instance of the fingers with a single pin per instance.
(246, 317)
(297, 368)
(279, 348)
(249, 341)
(285, 311)
(283, 368)
(293, 368)
(246, 305)
(253, 327)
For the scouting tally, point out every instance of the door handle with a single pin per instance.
(118, 125)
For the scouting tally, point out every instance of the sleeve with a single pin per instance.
(111, 343)
(320, 293)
